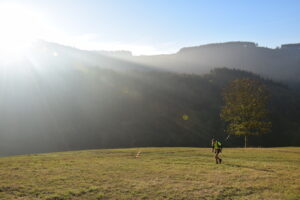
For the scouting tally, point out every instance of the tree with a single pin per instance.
(245, 111)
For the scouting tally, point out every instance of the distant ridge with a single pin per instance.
(291, 46)
(280, 64)
(233, 43)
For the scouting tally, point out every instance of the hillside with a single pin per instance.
(159, 173)
(60, 98)
(280, 64)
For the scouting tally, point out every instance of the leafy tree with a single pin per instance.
(245, 109)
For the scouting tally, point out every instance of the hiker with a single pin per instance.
(216, 148)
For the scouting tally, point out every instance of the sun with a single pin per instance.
(19, 26)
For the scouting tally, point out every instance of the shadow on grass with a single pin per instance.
(233, 192)
(249, 167)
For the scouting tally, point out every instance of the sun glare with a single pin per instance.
(19, 27)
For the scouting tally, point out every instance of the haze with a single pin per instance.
(86, 74)
(152, 27)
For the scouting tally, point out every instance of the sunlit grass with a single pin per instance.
(157, 173)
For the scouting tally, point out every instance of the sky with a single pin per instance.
(156, 26)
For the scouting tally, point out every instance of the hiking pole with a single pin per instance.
(228, 137)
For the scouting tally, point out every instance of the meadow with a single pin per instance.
(158, 173)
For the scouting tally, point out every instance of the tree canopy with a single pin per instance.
(246, 108)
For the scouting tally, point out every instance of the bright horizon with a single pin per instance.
(147, 28)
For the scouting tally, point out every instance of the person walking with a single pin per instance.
(216, 148)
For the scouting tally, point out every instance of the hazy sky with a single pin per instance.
(163, 26)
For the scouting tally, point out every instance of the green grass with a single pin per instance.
(159, 173)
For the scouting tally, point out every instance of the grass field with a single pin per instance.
(159, 173)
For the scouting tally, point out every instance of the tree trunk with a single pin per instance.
(245, 141)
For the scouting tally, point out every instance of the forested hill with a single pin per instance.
(61, 99)
(280, 64)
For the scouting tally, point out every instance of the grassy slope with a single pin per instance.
(159, 173)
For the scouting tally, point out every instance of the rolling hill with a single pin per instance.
(59, 98)
(280, 64)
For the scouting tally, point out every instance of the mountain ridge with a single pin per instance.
(280, 64)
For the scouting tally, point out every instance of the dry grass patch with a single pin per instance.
(157, 173)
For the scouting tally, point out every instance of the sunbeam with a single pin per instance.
(20, 26)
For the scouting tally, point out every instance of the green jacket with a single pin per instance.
(217, 145)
